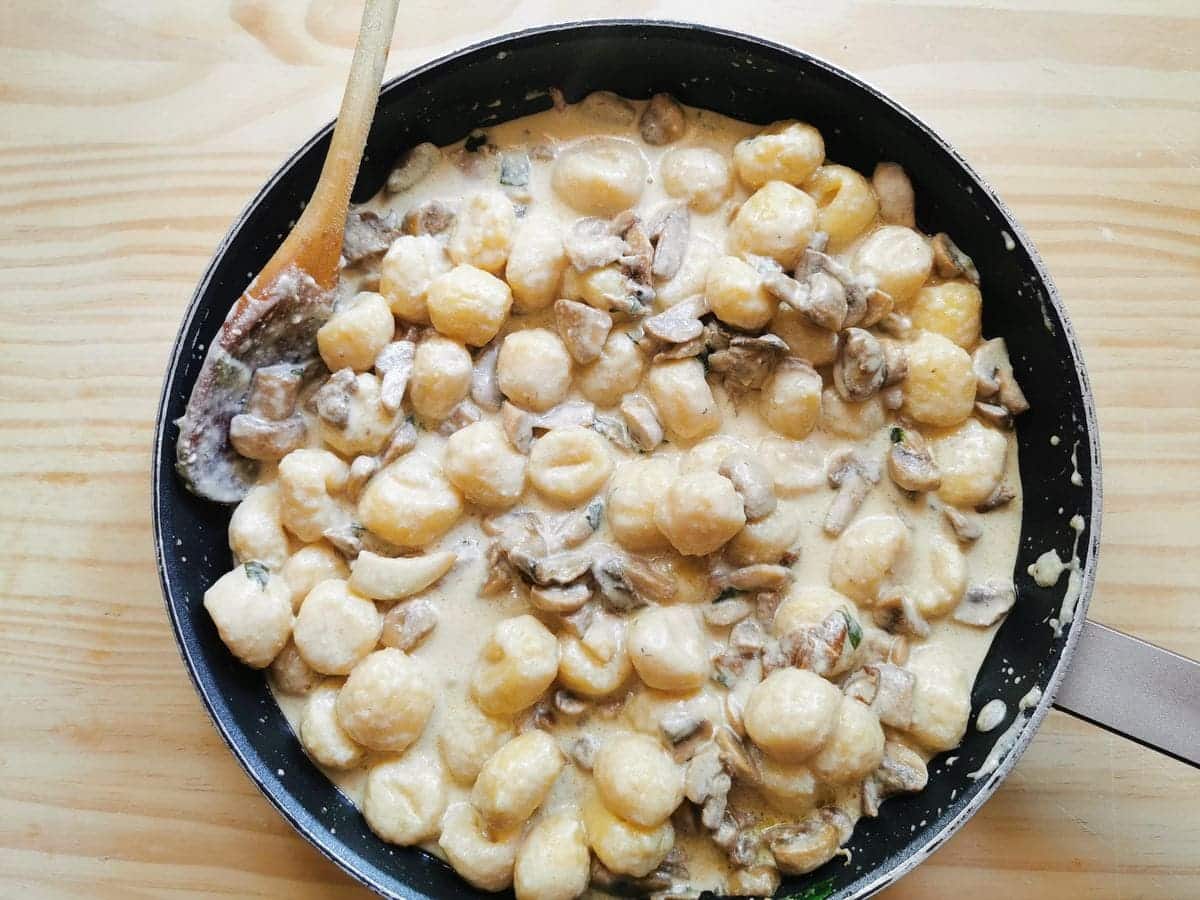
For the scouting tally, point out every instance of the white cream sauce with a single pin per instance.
(465, 619)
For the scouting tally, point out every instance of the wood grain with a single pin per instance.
(135, 131)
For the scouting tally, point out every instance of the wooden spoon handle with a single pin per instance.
(315, 243)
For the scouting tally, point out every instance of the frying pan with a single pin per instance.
(1116, 681)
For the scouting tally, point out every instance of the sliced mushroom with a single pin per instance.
(897, 612)
(897, 201)
(887, 689)
(518, 426)
(570, 414)
(986, 604)
(754, 881)
(994, 414)
(263, 439)
(747, 638)
(722, 613)
(614, 430)
(485, 386)
(361, 471)
(576, 527)
(539, 717)
(966, 529)
(368, 235)
(902, 771)
(680, 322)
(403, 439)
(801, 848)
(583, 329)
(413, 167)
(950, 261)
(346, 538)
(758, 577)
(860, 369)
(879, 646)
(895, 362)
(560, 598)
(626, 582)
(735, 758)
(466, 413)
(394, 364)
(591, 243)
(568, 704)
(500, 575)
(853, 477)
(332, 399)
(637, 262)
(583, 751)
(864, 305)
(994, 376)
(561, 568)
(754, 484)
(273, 391)
(578, 622)
(1001, 496)
(910, 461)
(651, 885)
(748, 361)
(896, 324)
(663, 120)
(669, 232)
(892, 398)
(819, 648)
(641, 419)
(430, 217)
(407, 624)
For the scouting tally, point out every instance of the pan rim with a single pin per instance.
(912, 856)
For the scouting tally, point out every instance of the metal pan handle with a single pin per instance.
(1136, 690)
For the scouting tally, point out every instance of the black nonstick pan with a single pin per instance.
(1116, 681)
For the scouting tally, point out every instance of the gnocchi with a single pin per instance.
(788, 151)
(535, 265)
(255, 529)
(668, 649)
(515, 780)
(519, 661)
(406, 272)
(404, 799)
(736, 295)
(410, 503)
(683, 398)
(600, 176)
(697, 175)
(637, 779)
(336, 627)
(553, 862)
(777, 221)
(322, 735)
(253, 613)
(468, 304)
(482, 236)
(569, 465)
(534, 369)
(700, 513)
(355, 334)
(481, 463)
(791, 714)
(940, 388)
(386, 701)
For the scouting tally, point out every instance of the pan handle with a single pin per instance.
(1136, 690)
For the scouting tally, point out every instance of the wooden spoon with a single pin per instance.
(275, 320)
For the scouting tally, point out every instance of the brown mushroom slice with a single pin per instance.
(860, 369)
(368, 235)
(994, 376)
(897, 201)
(722, 613)
(583, 329)
(897, 612)
(819, 648)
(408, 623)
(902, 771)
(637, 262)
(735, 758)
(518, 426)
(394, 364)
(854, 478)
(362, 469)
(896, 324)
(986, 604)
(332, 399)
(663, 121)
(669, 230)
(641, 420)
(576, 527)
(678, 323)
(277, 328)
(466, 413)
(626, 582)
(748, 638)
(591, 243)
(560, 599)
(571, 414)
(273, 391)
(1002, 495)
(895, 363)
(754, 484)
(994, 414)
(887, 689)
(703, 770)
(403, 439)
(430, 217)
(583, 751)
(413, 167)
(266, 439)
(799, 849)
(951, 262)
(910, 461)
(562, 568)
(567, 704)
(614, 430)
(686, 732)
(748, 361)
(758, 577)
(485, 386)
(966, 529)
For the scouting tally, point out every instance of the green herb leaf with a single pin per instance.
(853, 629)
(897, 434)
(257, 572)
(822, 890)
(474, 141)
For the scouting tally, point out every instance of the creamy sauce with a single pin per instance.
(1048, 569)
(991, 715)
(466, 619)
(1009, 737)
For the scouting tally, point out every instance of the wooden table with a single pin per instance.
(134, 132)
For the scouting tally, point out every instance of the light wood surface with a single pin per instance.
(133, 132)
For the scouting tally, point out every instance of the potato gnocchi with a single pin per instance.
(626, 518)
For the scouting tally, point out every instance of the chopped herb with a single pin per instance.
(258, 572)
(475, 140)
(853, 629)
(822, 890)
(897, 434)
(728, 594)
(514, 169)
(595, 512)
